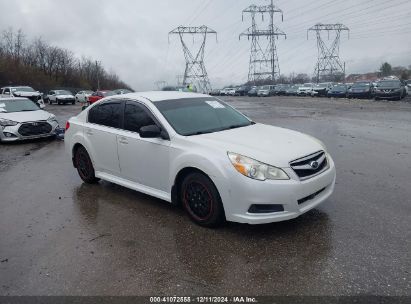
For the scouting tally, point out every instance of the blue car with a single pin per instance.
(338, 91)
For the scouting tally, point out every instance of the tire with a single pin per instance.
(201, 200)
(84, 166)
(73, 102)
(50, 102)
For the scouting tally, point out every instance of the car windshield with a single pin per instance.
(88, 92)
(339, 88)
(195, 116)
(22, 89)
(107, 93)
(265, 87)
(361, 85)
(388, 84)
(18, 105)
(322, 85)
(62, 92)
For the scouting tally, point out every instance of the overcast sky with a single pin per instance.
(130, 36)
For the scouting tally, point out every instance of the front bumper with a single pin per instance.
(14, 135)
(337, 94)
(360, 94)
(65, 100)
(390, 95)
(297, 197)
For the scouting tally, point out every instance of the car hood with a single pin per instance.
(268, 144)
(65, 96)
(26, 116)
(26, 94)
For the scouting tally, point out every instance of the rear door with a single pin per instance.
(104, 122)
(143, 160)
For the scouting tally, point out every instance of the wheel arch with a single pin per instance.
(178, 180)
(73, 152)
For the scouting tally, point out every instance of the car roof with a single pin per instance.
(156, 96)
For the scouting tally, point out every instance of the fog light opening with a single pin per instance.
(260, 209)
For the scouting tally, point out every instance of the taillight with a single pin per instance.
(67, 125)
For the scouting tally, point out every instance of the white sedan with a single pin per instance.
(196, 150)
(21, 119)
(83, 96)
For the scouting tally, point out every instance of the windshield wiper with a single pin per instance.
(239, 126)
(200, 133)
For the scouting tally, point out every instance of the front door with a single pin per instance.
(143, 161)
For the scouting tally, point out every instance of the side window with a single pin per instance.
(135, 117)
(6, 91)
(106, 114)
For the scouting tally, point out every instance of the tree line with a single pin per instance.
(43, 66)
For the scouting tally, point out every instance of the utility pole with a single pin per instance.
(329, 66)
(195, 72)
(263, 64)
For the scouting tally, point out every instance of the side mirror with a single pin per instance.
(152, 131)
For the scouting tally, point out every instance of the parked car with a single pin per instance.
(21, 119)
(82, 96)
(231, 92)
(305, 90)
(292, 90)
(281, 89)
(338, 91)
(321, 89)
(23, 92)
(96, 96)
(160, 144)
(225, 91)
(265, 91)
(122, 91)
(243, 90)
(390, 89)
(215, 92)
(253, 92)
(60, 97)
(361, 89)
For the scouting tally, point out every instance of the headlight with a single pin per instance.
(52, 118)
(7, 123)
(255, 169)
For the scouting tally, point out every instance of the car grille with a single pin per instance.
(310, 165)
(35, 128)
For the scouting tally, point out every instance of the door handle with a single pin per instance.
(89, 132)
(123, 141)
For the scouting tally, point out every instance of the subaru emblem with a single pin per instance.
(314, 164)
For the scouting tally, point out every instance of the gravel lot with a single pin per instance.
(62, 237)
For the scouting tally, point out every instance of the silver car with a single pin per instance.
(21, 119)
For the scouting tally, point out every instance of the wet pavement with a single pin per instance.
(59, 236)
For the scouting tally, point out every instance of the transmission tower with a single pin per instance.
(195, 71)
(329, 66)
(263, 63)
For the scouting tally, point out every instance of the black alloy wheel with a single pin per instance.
(201, 200)
(84, 166)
